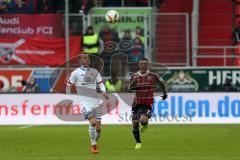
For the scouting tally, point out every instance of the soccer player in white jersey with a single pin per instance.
(86, 80)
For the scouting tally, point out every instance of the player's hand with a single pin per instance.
(135, 78)
(105, 95)
(133, 83)
(164, 96)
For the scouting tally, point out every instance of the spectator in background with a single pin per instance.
(228, 86)
(126, 42)
(113, 84)
(90, 42)
(12, 4)
(3, 6)
(139, 33)
(21, 6)
(31, 86)
(127, 35)
(109, 39)
(137, 50)
(45, 6)
(107, 34)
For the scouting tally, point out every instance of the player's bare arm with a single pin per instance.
(103, 90)
(161, 83)
(132, 82)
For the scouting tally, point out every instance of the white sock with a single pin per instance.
(97, 136)
(92, 134)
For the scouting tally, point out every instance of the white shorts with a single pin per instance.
(90, 106)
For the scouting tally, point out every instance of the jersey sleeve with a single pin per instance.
(99, 78)
(162, 83)
(131, 79)
(72, 79)
(100, 83)
(132, 83)
(159, 78)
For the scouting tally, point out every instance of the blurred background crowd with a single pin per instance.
(58, 6)
(168, 35)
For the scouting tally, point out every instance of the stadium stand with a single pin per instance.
(215, 31)
(171, 29)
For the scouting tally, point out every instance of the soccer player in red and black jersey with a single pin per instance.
(143, 83)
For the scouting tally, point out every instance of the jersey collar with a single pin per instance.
(84, 68)
(139, 73)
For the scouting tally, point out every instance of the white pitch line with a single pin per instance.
(24, 127)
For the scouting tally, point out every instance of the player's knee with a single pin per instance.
(98, 130)
(144, 122)
(92, 120)
(135, 125)
(143, 117)
(92, 123)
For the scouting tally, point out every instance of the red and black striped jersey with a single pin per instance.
(143, 84)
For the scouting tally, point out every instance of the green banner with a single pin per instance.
(130, 18)
(207, 79)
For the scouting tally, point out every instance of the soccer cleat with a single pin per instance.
(138, 146)
(143, 128)
(94, 149)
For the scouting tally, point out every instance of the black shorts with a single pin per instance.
(139, 109)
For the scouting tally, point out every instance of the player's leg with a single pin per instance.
(95, 131)
(144, 122)
(97, 113)
(98, 130)
(136, 133)
(88, 113)
(135, 127)
(92, 128)
(145, 116)
(92, 133)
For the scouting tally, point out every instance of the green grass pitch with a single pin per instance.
(160, 142)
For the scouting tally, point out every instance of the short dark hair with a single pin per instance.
(143, 59)
(83, 53)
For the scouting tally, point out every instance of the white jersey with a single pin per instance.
(86, 80)
(85, 77)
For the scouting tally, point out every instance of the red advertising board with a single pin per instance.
(36, 51)
(13, 78)
(32, 25)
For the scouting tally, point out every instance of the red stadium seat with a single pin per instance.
(237, 53)
(237, 22)
(237, 50)
(237, 10)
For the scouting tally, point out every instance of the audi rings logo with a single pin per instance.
(122, 46)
